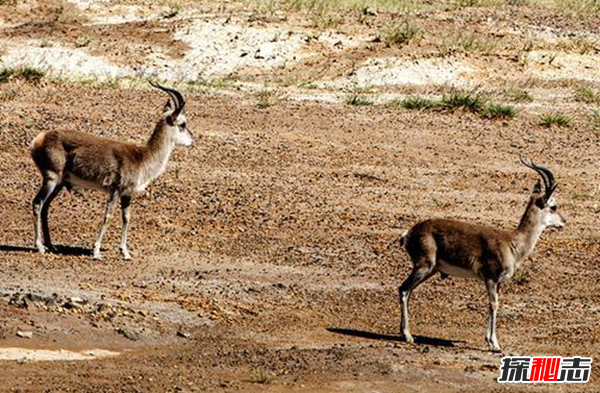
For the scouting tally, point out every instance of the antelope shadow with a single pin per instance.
(392, 337)
(58, 249)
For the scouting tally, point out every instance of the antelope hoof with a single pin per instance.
(495, 348)
(408, 338)
(126, 254)
(97, 255)
(41, 248)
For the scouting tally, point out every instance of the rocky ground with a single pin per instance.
(266, 258)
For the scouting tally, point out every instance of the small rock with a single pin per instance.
(183, 334)
(72, 306)
(50, 303)
(371, 11)
(130, 334)
(76, 303)
(104, 309)
(35, 298)
(24, 334)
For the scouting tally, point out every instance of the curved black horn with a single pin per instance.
(171, 95)
(545, 173)
(175, 95)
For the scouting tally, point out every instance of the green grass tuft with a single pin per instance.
(5, 74)
(358, 100)
(419, 103)
(462, 100)
(498, 111)
(587, 95)
(27, 73)
(30, 74)
(550, 119)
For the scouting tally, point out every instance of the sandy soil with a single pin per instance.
(267, 259)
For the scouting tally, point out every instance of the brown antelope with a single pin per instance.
(476, 251)
(69, 158)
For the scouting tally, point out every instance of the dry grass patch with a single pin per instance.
(517, 94)
(400, 34)
(586, 95)
(596, 118)
(68, 13)
(581, 45)
(261, 376)
(462, 42)
(266, 98)
(578, 7)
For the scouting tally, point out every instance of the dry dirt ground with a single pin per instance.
(266, 258)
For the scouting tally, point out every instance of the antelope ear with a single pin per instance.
(537, 188)
(550, 194)
(168, 106)
(168, 112)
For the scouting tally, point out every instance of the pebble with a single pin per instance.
(24, 334)
(130, 334)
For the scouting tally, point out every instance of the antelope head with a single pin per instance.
(542, 202)
(174, 118)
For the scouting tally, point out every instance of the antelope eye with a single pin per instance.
(182, 125)
(553, 208)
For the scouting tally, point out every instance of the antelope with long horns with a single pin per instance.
(469, 250)
(70, 158)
